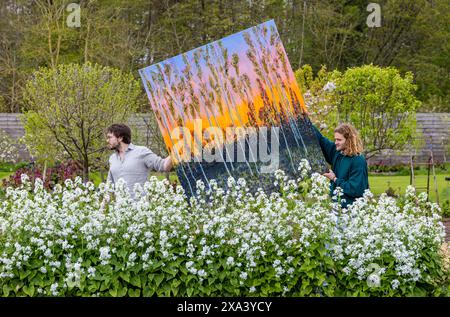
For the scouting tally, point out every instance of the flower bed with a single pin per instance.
(79, 240)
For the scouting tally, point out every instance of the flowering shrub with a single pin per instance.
(56, 175)
(8, 148)
(79, 240)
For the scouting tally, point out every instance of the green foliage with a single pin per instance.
(69, 108)
(412, 37)
(40, 141)
(378, 101)
(285, 244)
(318, 96)
(446, 208)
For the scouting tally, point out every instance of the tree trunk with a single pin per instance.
(85, 169)
(45, 172)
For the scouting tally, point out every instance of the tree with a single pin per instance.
(75, 103)
(378, 101)
(130, 35)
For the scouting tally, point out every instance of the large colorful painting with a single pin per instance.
(232, 108)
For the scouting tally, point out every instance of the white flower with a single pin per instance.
(24, 178)
(395, 284)
(304, 167)
(104, 253)
(132, 257)
(91, 271)
(329, 86)
(53, 289)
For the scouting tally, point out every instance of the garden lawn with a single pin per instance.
(379, 184)
(4, 174)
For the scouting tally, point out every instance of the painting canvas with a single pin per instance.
(232, 108)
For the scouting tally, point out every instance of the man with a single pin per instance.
(348, 165)
(131, 162)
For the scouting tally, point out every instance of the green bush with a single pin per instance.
(79, 240)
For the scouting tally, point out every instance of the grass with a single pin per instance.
(379, 184)
(4, 174)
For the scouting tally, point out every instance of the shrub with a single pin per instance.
(79, 240)
(8, 148)
(446, 208)
(69, 108)
(379, 101)
(56, 175)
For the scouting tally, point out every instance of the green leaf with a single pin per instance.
(189, 278)
(189, 292)
(135, 281)
(211, 280)
(134, 292)
(104, 286)
(28, 290)
(305, 283)
(169, 270)
(122, 291)
(71, 284)
(24, 274)
(113, 292)
(122, 253)
(158, 279)
(222, 276)
(148, 291)
(125, 276)
(93, 287)
(6, 290)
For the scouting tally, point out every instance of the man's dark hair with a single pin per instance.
(120, 130)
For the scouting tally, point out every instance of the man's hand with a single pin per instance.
(168, 164)
(330, 175)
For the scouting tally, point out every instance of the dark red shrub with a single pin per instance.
(54, 175)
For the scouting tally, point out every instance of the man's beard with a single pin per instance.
(114, 148)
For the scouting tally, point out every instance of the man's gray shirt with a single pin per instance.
(137, 162)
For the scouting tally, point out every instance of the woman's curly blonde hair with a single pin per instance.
(353, 144)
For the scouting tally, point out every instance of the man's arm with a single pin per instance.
(110, 177)
(356, 183)
(328, 147)
(156, 162)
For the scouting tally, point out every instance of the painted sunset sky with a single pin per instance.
(244, 79)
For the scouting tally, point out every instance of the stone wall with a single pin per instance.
(435, 128)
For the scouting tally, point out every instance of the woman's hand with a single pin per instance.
(330, 175)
